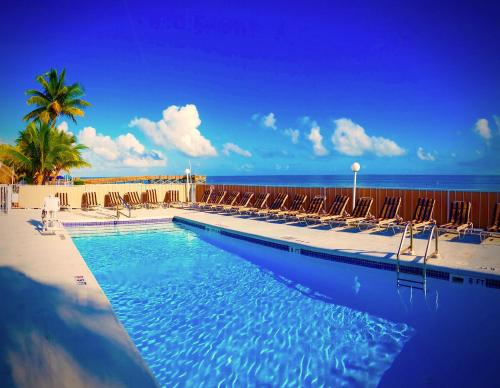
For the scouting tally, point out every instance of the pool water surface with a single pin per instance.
(208, 310)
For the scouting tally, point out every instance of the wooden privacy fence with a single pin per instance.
(483, 203)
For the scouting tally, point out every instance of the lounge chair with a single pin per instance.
(171, 198)
(388, 214)
(204, 198)
(361, 212)
(494, 229)
(63, 201)
(132, 200)
(259, 204)
(459, 219)
(114, 200)
(152, 198)
(296, 207)
(228, 200)
(276, 206)
(215, 199)
(175, 199)
(90, 201)
(243, 202)
(336, 211)
(314, 209)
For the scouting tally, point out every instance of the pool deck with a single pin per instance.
(57, 327)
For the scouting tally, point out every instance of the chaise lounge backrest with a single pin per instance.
(298, 202)
(390, 208)
(459, 213)
(245, 199)
(260, 200)
(205, 196)
(362, 208)
(423, 210)
(279, 201)
(316, 204)
(338, 205)
(495, 225)
(63, 199)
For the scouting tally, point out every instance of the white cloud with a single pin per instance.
(317, 141)
(293, 133)
(422, 155)
(351, 139)
(64, 127)
(483, 129)
(231, 147)
(267, 121)
(177, 129)
(124, 151)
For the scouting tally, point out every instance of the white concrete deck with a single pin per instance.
(456, 255)
(55, 332)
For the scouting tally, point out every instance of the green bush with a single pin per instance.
(78, 183)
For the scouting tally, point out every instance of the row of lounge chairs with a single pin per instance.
(459, 220)
(132, 200)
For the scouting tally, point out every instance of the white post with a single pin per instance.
(187, 171)
(354, 191)
(354, 168)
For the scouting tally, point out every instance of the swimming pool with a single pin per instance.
(207, 309)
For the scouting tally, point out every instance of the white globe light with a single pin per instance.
(355, 167)
(187, 171)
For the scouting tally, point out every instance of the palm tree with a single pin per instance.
(56, 99)
(42, 151)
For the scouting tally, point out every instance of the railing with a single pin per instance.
(125, 205)
(5, 198)
(483, 203)
(405, 282)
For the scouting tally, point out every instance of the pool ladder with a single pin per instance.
(420, 284)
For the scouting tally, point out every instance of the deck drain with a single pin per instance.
(80, 280)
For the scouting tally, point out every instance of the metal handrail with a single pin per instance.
(435, 254)
(125, 204)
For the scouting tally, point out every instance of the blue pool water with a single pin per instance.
(208, 310)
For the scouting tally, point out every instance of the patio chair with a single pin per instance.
(295, 208)
(90, 201)
(494, 229)
(152, 198)
(114, 200)
(214, 199)
(243, 202)
(388, 214)
(459, 218)
(132, 200)
(336, 211)
(228, 200)
(63, 201)
(204, 198)
(276, 206)
(314, 209)
(259, 204)
(361, 212)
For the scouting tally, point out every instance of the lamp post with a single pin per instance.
(187, 171)
(354, 168)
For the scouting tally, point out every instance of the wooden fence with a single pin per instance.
(483, 203)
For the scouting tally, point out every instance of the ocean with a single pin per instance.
(429, 182)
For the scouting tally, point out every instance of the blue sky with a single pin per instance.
(267, 88)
